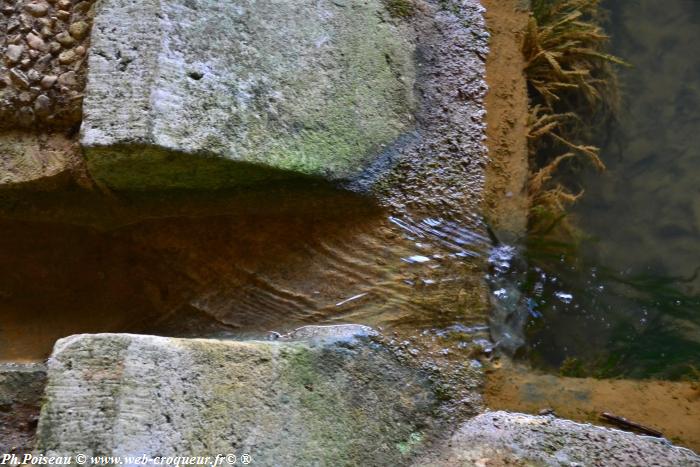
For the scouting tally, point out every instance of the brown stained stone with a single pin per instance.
(37, 9)
(67, 57)
(14, 39)
(65, 39)
(35, 161)
(80, 50)
(82, 7)
(54, 47)
(64, 5)
(37, 43)
(68, 79)
(25, 116)
(63, 15)
(21, 391)
(79, 30)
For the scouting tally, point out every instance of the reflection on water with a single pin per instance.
(585, 320)
(235, 275)
(627, 302)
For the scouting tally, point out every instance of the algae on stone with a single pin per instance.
(324, 401)
(313, 88)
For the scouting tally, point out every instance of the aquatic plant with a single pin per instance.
(573, 90)
(572, 367)
(400, 8)
(564, 48)
(649, 320)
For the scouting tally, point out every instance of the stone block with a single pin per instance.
(205, 94)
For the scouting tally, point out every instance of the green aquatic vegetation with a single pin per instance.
(653, 319)
(400, 8)
(665, 347)
(573, 368)
(573, 89)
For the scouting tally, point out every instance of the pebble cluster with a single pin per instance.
(43, 53)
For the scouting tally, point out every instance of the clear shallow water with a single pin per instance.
(236, 275)
(626, 302)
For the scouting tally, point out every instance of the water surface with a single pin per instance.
(626, 301)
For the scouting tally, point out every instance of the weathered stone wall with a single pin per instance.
(43, 52)
(179, 90)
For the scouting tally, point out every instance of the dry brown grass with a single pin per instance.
(572, 89)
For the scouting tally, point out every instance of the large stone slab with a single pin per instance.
(333, 398)
(502, 438)
(200, 93)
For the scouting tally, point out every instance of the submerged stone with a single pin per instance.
(328, 401)
(200, 94)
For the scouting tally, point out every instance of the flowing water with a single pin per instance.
(236, 275)
(626, 301)
(401, 246)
